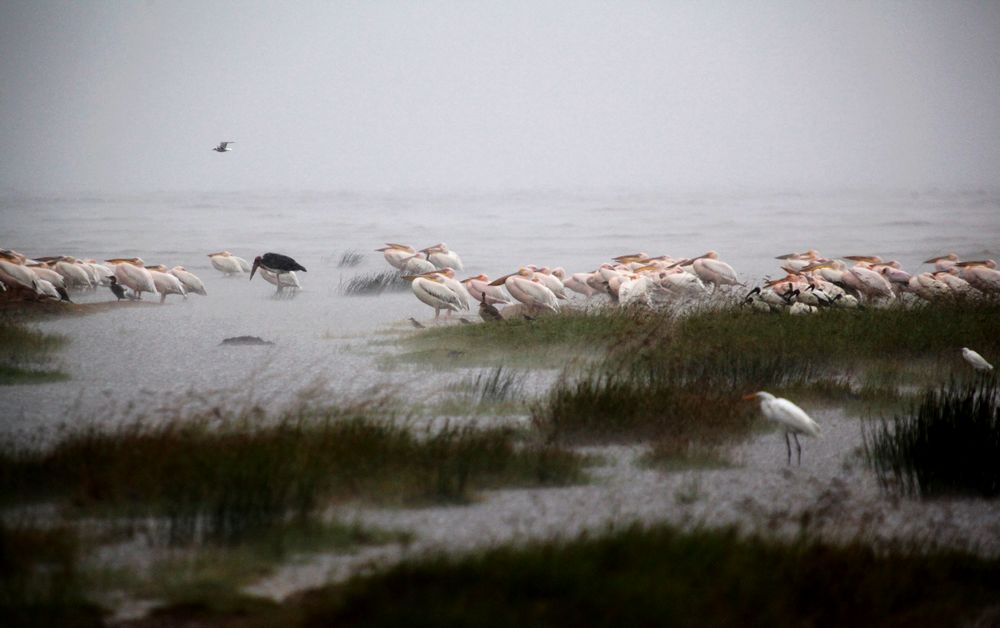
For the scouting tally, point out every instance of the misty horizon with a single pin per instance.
(386, 97)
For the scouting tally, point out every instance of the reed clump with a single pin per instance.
(949, 442)
(376, 283)
(222, 481)
(661, 576)
(26, 354)
(350, 258)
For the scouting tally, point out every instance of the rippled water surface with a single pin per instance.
(133, 359)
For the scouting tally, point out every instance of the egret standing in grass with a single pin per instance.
(792, 419)
(977, 361)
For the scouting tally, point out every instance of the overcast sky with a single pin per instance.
(457, 95)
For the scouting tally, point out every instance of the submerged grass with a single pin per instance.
(223, 481)
(376, 283)
(660, 576)
(949, 442)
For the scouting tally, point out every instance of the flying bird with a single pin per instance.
(223, 147)
(792, 418)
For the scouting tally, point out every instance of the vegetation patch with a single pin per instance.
(660, 576)
(39, 584)
(350, 258)
(949, 442)
(222, 480)
(25, 354)
(376, 283)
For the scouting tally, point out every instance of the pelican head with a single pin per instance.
(950, 257)
(220, 254)
(760, 395)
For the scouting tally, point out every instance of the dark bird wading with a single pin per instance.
(276, 263)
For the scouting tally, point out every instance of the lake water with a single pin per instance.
(134, 360)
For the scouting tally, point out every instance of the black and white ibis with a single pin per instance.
(275, 263)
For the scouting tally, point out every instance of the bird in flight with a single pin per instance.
(223, 147)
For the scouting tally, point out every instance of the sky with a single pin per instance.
(384, 95)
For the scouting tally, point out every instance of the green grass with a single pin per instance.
(949, 442)
(225, 481)
(662, 577)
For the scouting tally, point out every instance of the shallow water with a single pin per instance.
(134, 360)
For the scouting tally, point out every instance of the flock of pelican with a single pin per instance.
(53, 277)
(810, 282)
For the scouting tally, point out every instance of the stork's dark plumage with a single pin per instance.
(116, 288)
(276, 263)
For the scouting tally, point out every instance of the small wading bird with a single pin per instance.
(116, 288)
(977, 361)
(277, 264)
(792, 419)
(223, 147)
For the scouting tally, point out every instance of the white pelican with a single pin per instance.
(578, 282)
(130, 273)
(165, 282)
(553, 283)
(223, 147)
(442, 257)
(943, 262)
(20, 274)
(479, 286)
(795, 262)
(74, 274)
(225, 262)
(431, 290)
(635, 289)
(869, 282)
(45, 289)
(397, 254)
(792, 419)
(977, 361)
(102, 272)
(191, 281)
(711, 270)
(981, 275)
(959, 287)
(928, 287)
(527, 290)
(417, 264)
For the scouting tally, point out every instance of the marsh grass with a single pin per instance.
(661, 576)
(948, 443)
(223, 481)
(25, 354)
(39, 584)
(350, 258)
(376, 283)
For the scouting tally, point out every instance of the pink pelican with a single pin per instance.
(442, 257)
(227, 263)
(397, 254)
(430, 289)
(529, 291)
(479, 286)
(981, 275)
(131, 273)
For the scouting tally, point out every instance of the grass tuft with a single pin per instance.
(350, 258)
(376, 283)
(949, 443)
(25, 354)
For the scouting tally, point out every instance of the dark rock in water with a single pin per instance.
(246, 340)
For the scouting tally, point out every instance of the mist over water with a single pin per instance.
(132, 361)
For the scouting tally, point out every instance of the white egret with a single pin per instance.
(793, 419)
(977, 361)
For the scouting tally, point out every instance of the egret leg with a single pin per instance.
(789, 446)
(798, 447)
